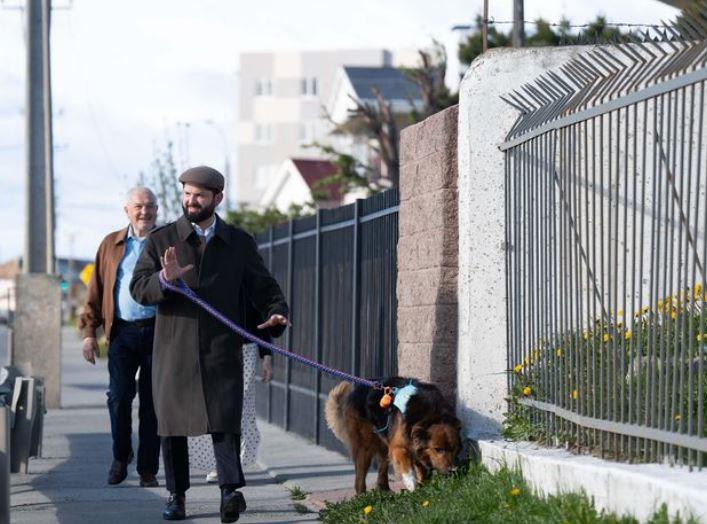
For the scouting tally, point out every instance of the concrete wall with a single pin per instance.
(37, 332)
(484, 122)
(428, 251)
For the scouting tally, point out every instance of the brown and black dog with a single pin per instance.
(425, 438)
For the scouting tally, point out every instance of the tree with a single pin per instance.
(255, 221)
(546, 34)
(161, 178)
(429, 77)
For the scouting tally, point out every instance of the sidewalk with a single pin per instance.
(68, 484)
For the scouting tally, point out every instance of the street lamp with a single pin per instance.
(226, 163)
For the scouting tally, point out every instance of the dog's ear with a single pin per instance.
(419, 435)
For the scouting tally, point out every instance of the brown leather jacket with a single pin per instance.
(99, 308)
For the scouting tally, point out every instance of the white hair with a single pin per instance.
(139, 189)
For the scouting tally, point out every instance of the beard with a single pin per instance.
(201, 214)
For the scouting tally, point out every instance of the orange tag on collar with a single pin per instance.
(386, 399)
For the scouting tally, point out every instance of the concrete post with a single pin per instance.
(484, 122)
(37, 332)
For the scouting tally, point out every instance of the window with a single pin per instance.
(308, 86)
(263, 133)
(263, 87)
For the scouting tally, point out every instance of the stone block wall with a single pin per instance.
(428, 251)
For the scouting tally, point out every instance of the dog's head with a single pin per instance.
(437, 442)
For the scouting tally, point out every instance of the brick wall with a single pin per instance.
(428, 251)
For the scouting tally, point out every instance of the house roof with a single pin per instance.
(392, 84)
(313, 170)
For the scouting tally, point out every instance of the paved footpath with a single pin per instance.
(68, 483)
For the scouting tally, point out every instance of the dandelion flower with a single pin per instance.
(525, 361)
(527, 391)
(518, 368)
(673, 315)
(585, 335)
(660, 304)
(425, 503)
(620, 313)
(574, 394)
(606, 337)
(627, 335)
(677, 418)
(699, 337)
(514, 492)
(368, 510)
(559, 352)
(619, 324)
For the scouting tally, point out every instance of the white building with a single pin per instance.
(282, 97)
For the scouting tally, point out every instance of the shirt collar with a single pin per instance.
(209, 231)
(131, 234)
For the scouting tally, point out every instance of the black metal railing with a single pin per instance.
(338, 271)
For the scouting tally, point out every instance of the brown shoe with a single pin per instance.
(148, 480)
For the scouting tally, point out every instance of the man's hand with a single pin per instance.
(90, 349)
(266, 368)
(170, 267)
(274, 321)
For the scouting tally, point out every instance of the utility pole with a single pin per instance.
(518, 24)
(39, 198)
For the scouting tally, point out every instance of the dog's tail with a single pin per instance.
(335, 410)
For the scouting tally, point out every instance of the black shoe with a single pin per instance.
(119, 470)
(232, 504)
(175, 508)
(148, 480)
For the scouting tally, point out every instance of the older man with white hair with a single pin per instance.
(129, 328)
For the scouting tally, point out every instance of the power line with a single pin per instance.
(576, 26)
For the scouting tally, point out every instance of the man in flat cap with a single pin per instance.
(197, 363)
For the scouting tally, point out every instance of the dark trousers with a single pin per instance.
(131, 349)
(227, 452)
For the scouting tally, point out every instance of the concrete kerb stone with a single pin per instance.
(612, 486)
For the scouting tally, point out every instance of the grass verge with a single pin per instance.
(476, 495)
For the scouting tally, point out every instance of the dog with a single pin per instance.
(418, 433)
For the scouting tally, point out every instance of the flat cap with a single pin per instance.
(203, 176)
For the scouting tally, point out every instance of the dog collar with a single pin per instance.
(402, 397)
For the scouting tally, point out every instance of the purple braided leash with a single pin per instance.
(181, 288)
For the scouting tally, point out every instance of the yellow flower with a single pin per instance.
(645, 309)
(514, 492)
(536, 354)
(698, 290)
(606, 337)
(620, 313)
(673, 315)
(619, 324)
(367, 510)
(627, 335)
(425, 503)
(559, 352)
(660, 304)
(678, 418)
(525, 361)
(574, 394)
(527, 391)
(699, 337)
(518, 368)
(585, 335)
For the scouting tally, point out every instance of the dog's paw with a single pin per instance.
(409, 480)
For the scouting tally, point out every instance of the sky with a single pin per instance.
(127, 76)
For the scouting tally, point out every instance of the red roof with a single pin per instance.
(314, 170)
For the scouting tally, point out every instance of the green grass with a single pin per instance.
(297, 493)
(475, 495)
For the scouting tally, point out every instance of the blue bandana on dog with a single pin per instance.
(403, 395)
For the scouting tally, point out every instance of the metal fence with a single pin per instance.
(605, 221)
(338, 271)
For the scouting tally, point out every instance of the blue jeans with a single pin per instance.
(131, 349)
